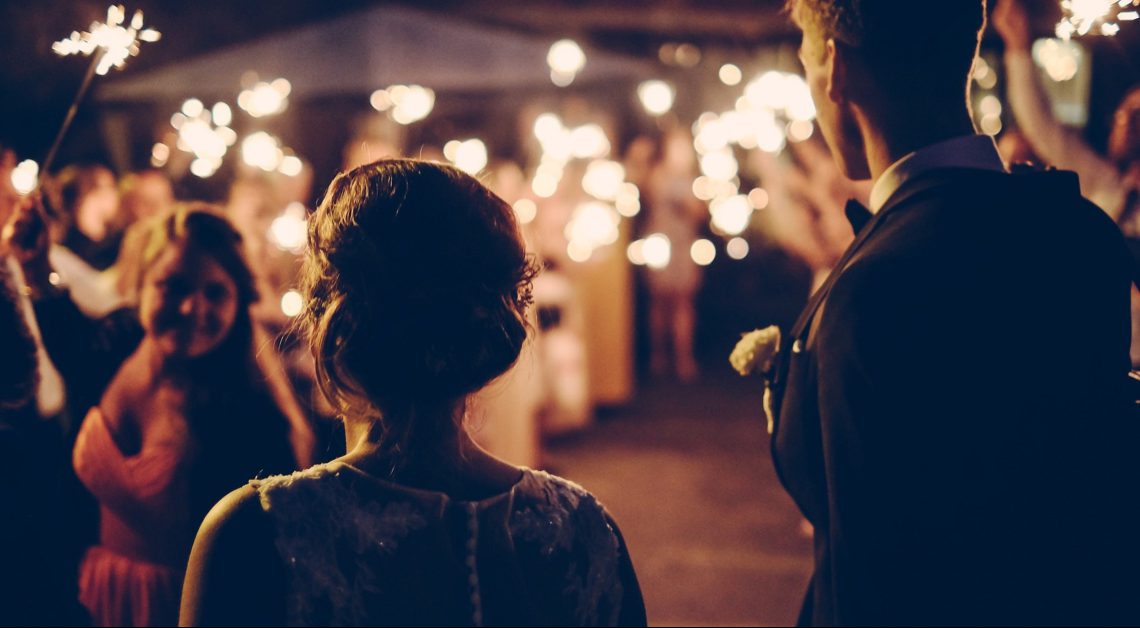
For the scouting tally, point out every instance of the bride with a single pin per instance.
(416, 284)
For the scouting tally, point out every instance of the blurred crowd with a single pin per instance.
(150, 363)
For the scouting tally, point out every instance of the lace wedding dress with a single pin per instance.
(364, 551)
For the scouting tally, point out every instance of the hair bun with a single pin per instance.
(416, 286)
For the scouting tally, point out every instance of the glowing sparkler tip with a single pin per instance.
(117, 42)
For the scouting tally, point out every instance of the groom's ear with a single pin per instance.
(836, 67)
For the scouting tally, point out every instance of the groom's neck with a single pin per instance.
(893, 133)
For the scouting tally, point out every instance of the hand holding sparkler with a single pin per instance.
(25, 237)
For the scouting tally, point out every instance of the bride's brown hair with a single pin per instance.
(416, 284)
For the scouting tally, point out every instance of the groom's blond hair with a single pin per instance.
(926, 48)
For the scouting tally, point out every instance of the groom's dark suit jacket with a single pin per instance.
(952, 415)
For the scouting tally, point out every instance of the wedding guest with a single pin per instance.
(86, 237)
(145, 194)
(416, 284)
(671, 210)
(35, 584)
(1111, 181)
(951, 410)
(89, 199)
(42, 534)
(180, 409)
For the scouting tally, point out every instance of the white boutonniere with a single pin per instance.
(755, 353)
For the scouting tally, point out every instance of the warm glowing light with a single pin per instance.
(159, 155)
(544, 186)
(192, 108)
(589, 140)
(628, 201)
(262, 150)
(291, 166)
(781, 92)
(470, 156)
(635, 252)
(758, 198)
(203, 168)
(593, 224)
(525, 210)
(800, 130)
(991, 124)
(547, 127)
(117, 42)
(410, 103)
(221, 114)
(703, 188)
(288, 231)
(731, 215)
(703, 252)
(292, 303)
(200, 133)
(730, 74)
(1060, 59)
(380, 100)
(579, 251)
(985, 75)
(737, 248)
(687, 55)
(656, 96)
(25, 176)
(720, 165)
(603, 179)
(566, 58)
(990, 106)
(1080, 17)
(265, 99)
(657, 250)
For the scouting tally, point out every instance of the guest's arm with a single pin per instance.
(86, 352)
(1052, 141)
(235, 577)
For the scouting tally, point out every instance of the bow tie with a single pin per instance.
(857, 215)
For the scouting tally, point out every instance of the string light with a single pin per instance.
(566, 59)
(737, 248)
(200, 133)
(25, 176)
(703, 252)
(288, 231)
(265, 99)
(656, 96)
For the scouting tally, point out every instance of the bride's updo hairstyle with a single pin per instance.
(415, 284)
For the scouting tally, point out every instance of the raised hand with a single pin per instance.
(25, 237)
(1012, 22)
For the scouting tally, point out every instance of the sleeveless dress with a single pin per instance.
(134, 576)
(359, 550)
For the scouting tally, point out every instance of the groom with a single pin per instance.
(951, 410)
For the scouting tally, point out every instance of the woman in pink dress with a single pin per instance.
(185, 410)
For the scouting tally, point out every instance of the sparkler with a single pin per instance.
(109, 45)
(1082, 16)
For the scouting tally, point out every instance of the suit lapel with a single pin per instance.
(907, 193)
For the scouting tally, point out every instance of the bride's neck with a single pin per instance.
(452, 464)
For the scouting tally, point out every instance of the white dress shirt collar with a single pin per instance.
(978, 152)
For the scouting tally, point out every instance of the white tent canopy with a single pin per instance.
(364, 51)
